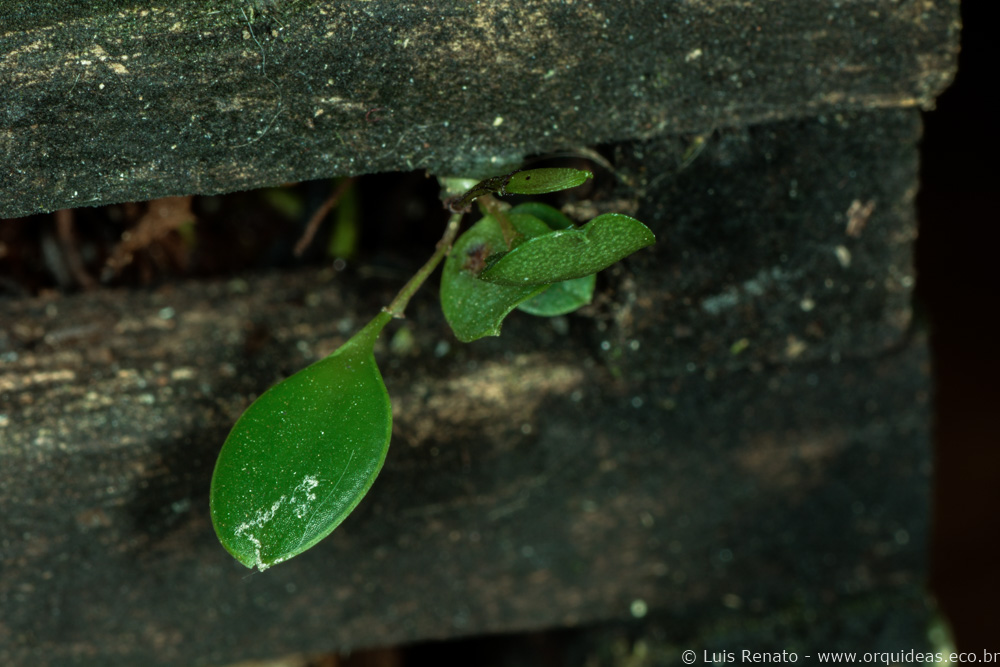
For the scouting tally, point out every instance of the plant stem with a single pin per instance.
(493, 208)
(480, 189)
(398, 305)
(317, 218)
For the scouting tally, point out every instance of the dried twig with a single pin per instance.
(313, 226)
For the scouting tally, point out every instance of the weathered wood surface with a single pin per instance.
(104, 102)
(739, 423)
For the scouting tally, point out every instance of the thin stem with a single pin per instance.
(480, 189)
(314, 222)
(398, 304)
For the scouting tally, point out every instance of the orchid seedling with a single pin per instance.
(306, 452)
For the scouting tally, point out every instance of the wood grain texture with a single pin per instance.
(108, 102)
(735, 433)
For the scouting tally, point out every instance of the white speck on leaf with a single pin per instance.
(261, 518)
(302, 495)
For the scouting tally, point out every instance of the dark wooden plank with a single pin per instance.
(104, 102)
(739, 423)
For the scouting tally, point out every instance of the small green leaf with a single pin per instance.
(285, 201)
(303, 455)
(570, 253)
(475, 308)
(552, 217)
(346, 232)
(561, 298)
(528, 182)
(568, 295)
(540, 181)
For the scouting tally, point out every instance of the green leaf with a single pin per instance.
(527, 182)
(570, 253)
(561, 298)
(475, 308)
(285, 201)
(552, 217)
(303, 455)
(540, 181)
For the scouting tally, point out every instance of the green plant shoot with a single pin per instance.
(305, 453)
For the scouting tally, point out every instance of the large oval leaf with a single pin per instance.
(472, 307)
(303, 455)
(570, 253)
